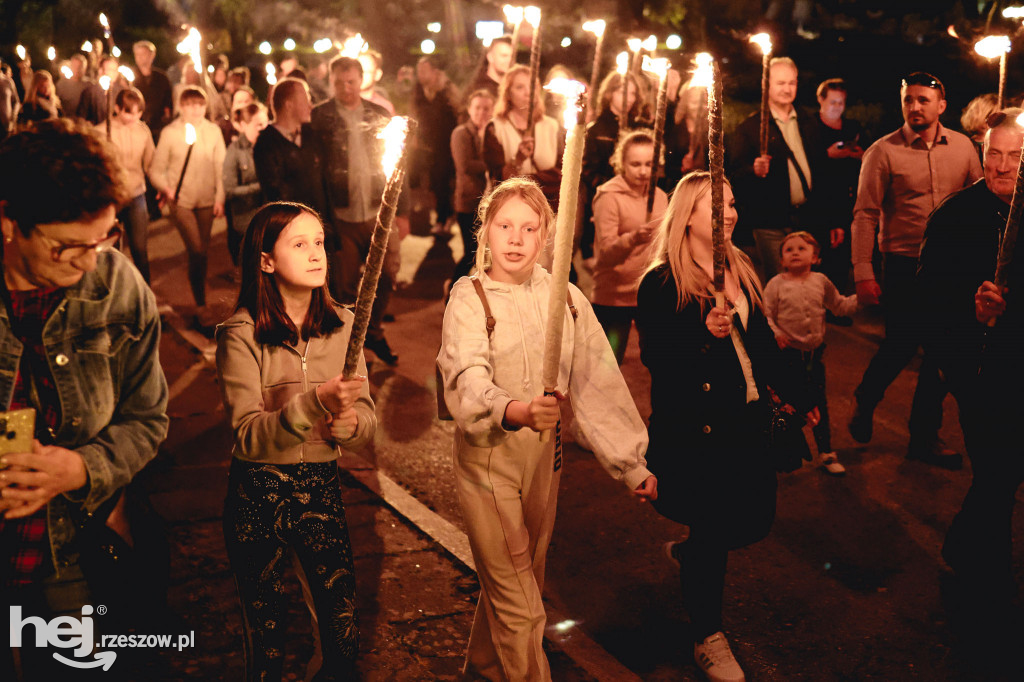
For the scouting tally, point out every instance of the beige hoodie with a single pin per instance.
(481, 376)
(270, 394)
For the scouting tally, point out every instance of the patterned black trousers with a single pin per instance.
(271, 510)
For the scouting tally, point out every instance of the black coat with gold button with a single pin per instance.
(707, 445)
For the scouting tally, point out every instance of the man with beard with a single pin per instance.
(903, 177)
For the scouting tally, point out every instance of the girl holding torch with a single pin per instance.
(623, 236)
(507, 478)
(710, 371)
(278, 363)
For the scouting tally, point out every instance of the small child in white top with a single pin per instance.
(795, 302)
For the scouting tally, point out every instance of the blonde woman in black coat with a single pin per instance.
(710, 372)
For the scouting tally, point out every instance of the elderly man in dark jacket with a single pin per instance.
(345, 130)
(984, 367)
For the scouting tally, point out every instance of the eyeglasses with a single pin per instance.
(67, 252)
(925, 79)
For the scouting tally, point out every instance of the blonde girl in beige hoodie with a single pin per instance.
(506, 477)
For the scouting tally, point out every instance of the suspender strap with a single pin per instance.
(487, 308)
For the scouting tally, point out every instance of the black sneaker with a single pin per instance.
(861, 424)
(382, 350)
(936, 454)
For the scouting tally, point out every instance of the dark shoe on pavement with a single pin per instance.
(387, 317)
(841, 321)
(382, 350)
(937, 455)
(861, 424)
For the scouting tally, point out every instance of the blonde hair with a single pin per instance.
(640, 136)
(503, 106)
(522, 188)
(673, 247)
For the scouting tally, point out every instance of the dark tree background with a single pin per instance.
(871, 43)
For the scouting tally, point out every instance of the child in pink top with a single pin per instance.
(795, 302)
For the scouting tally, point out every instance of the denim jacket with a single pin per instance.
(102, 343)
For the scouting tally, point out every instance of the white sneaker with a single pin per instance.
(714, 657)
(831, 464)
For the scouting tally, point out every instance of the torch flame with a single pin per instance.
(1014, 12)
(190, 134)
(596, 27)
(651, 44)
(105, 82)
(87, 46)
(51, 53)
(20, 49)
(513, 15)
(572, 91)
(354, 46)
(532, 16)
(991, 47)
(634, 44)
(128, 74)
(191, 46)
(103, 21)
(703, 75)
(659, 66)
(622, 62)
(764, 41)
(393, 135)
(1020, 120)
(66, 71)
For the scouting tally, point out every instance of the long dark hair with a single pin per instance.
(259, 294)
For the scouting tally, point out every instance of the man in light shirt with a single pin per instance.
(904, 176)
(774, 190)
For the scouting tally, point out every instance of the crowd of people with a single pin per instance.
(299, 181)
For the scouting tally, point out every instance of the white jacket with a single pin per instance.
(482, 376)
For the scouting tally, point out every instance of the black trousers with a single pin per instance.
(702, 575)
(902, 339)
(809, 365)
(467, 226)
(272, 510)
(617, 322)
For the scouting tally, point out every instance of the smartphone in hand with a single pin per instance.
(17, 429)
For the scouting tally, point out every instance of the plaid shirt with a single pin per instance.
(25, 541)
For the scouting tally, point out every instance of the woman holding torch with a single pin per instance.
(526, 141)
(602, 137)
(188, 174)
(507, 477)
(710, 402)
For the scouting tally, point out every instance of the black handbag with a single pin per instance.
(785, 438)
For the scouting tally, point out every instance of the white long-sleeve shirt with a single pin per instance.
(482, 376)
(204, 178)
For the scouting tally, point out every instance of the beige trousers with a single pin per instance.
(508, 503)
